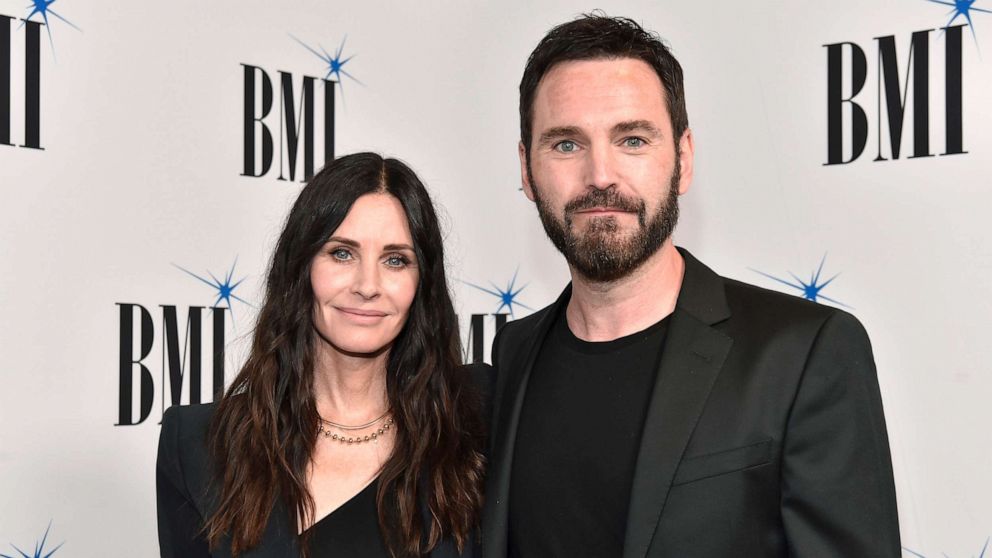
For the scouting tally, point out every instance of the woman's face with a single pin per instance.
(365, 277)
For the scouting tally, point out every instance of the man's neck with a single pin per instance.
(607, 311)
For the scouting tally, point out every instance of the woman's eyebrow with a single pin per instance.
(345, 241)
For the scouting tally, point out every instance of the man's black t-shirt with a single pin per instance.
(577, 443)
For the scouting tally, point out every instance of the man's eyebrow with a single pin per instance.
(557, 132)
(637, 125)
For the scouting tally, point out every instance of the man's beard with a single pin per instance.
(599, 254)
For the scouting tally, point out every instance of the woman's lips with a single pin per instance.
(361, 315)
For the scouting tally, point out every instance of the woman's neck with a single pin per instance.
(349, 389)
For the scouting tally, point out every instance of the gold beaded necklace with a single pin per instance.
(358, 439)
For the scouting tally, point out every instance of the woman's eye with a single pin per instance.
(633, 142)
(397, 261)
(566, 146)
(340, 254)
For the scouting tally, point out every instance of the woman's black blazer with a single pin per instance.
(183, 487)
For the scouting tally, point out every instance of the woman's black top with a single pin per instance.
(186, 496)
(351, 530)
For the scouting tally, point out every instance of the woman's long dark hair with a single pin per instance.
(264, 431)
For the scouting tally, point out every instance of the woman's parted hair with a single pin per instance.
(265, 428)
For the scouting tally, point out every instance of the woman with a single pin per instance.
(351, 430)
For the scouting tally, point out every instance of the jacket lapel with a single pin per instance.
(509, 401)
(692, 358)
(279, 538)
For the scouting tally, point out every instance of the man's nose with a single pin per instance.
(601, 167)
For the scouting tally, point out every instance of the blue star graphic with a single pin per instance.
(507, 297)
(962, 8)
(335, 64)
(811, 290)
(225, 289)
(982, 555)
(42, 7)
(39, 548)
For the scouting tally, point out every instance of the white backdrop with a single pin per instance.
(142, 129)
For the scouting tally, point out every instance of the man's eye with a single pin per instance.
(341, 254)
(633, 142)
(566, 146)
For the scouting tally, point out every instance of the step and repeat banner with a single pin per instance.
(149, 152)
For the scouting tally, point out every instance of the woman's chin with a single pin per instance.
(359, 348)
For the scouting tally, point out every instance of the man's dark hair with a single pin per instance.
(598, 36)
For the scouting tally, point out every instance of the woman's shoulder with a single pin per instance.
(482, 375)
(188, 424)
(482, 382)
(183, 451)
(196, 414)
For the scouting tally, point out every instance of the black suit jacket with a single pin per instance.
(185, 493)
(764, 435)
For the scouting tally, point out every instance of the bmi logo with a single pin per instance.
(902, 76)
(30, 80)
(477, 334)
(181, 365)
(811, 290)
(39, 548)
(980, 555)
(294, 119)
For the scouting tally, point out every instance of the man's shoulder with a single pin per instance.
(741, 292)
(518, 330)
(757, 308)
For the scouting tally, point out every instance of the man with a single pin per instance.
(656, 408)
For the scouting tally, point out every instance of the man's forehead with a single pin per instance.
(589, 91)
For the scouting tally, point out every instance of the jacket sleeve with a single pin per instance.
(838, 494)
(179, 522)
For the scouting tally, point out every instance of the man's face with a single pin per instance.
(605, 171)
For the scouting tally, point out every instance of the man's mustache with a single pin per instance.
(606, 199)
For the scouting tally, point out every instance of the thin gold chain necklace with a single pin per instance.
(373, 437)
(359, 427)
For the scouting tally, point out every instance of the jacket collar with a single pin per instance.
(702, 294)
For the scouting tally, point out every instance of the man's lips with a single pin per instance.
(601, 211)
